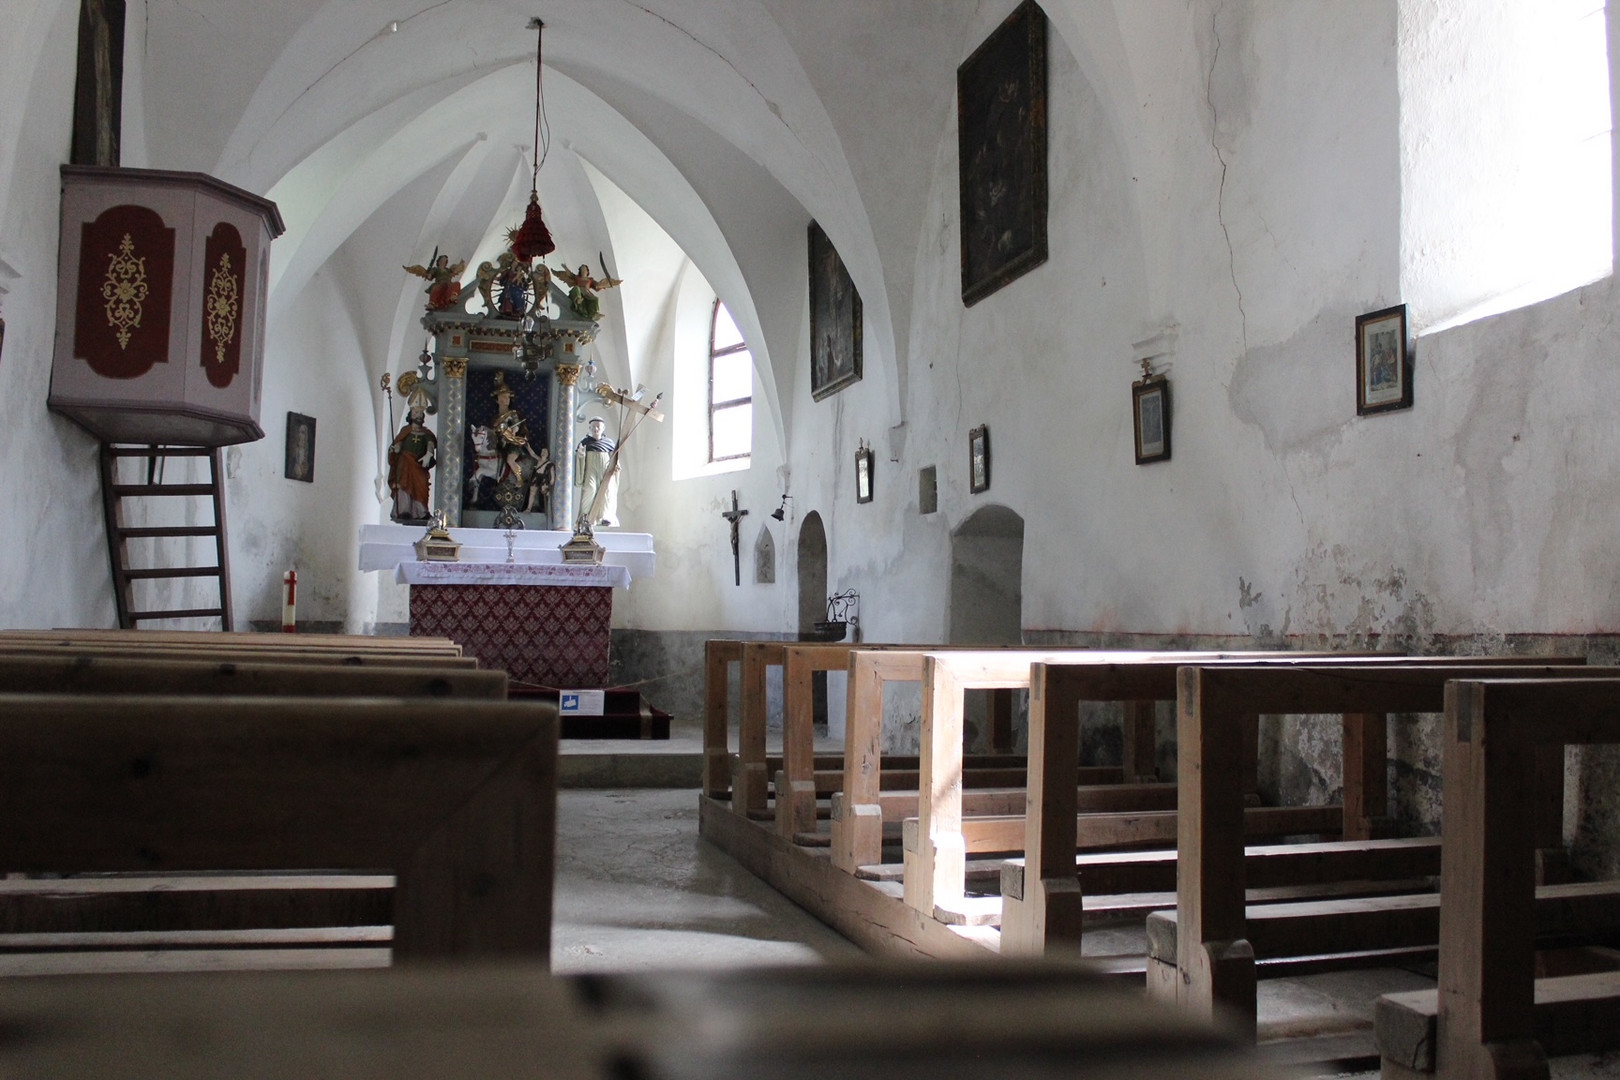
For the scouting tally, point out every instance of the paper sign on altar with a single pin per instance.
(582, 702)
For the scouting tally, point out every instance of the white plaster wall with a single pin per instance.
(277, 524)
(695, 587)
(53, 562)
(1031, 361)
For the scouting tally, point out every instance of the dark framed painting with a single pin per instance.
(1150, 411)
(1001, 141)
(300, 464)
(979, 459)
(835, 320)
(1383, 365)
(863, 475)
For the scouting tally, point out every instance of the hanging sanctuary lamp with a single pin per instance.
(533, 239)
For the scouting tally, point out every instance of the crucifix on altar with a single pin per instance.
(735, 516)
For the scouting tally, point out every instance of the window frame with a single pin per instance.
(730, 403)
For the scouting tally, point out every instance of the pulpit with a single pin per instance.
(541, 621)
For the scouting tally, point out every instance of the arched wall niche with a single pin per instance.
(812, 571)
(765, 557)
(987, 567)
(987, 605)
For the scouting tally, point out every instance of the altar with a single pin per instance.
(535, 617)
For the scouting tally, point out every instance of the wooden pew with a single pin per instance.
(457, 803)
(746, 777)
(1489, 1016)
(935, 868)
(483, 1021)
(1043, 902)
(231, 653)
(79, 674)
(857, 816)
(143, 911)
(796, 789)
(208, 639)
(1212, 964)
(718, 656)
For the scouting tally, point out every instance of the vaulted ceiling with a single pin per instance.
(732, 124)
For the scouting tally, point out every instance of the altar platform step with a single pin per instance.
(676, 762)
(624, 715)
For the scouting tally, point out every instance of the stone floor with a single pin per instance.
(638, 889)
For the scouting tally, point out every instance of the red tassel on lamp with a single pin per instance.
(533, 239)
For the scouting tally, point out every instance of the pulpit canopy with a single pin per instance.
(160, 306)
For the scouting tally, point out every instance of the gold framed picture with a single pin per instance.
(1383, 365)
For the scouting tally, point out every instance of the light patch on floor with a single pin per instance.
(638, 889)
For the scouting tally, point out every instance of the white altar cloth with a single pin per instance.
(513, 573)
(388, 547)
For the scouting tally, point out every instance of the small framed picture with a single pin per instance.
(979, 459)
(1150, 412)
(1383, 366)
(863, 475)
(300, 463)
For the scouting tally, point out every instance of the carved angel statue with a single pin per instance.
(583, 289)
(443, 278)
(485, 277)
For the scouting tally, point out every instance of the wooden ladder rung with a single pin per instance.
(190, 613)
(171, 572)
(169, 530)
(135, 490)
(114, 492)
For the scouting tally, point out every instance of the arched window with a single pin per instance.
(731, 389)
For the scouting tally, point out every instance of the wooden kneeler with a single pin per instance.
(457, 800)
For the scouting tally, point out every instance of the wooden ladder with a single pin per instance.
(113, 494)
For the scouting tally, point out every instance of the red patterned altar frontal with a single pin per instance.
(548, 634)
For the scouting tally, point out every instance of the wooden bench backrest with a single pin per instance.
(51, 674)
(1213, 705)
(1049, 910)
(459, 801)
(246, 639)
(1487, 923)
(856, 836)
(228, 653)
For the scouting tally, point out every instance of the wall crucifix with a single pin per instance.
(735, 516)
